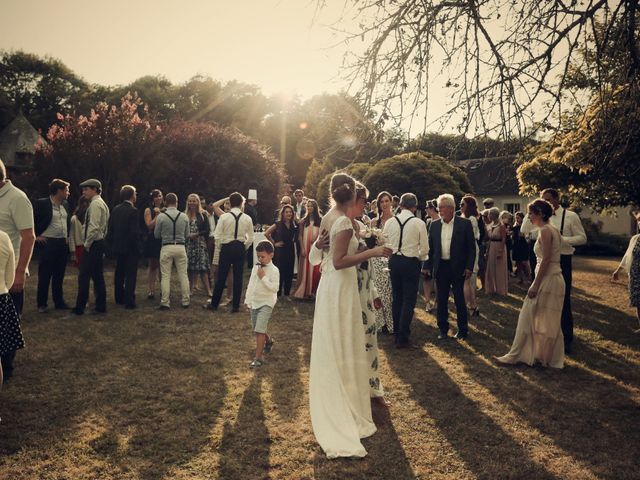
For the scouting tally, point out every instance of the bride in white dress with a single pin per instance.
(339, 399)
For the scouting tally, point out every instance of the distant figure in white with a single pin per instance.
(339, 372)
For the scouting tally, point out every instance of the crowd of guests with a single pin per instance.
(362, 262)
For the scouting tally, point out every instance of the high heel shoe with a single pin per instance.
(475, 312)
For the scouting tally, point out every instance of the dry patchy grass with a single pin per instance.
(155, 395)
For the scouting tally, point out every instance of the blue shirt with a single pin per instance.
(164, 228)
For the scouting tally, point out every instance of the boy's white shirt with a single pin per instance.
(263, 291)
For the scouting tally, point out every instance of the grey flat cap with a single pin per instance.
(92, 182)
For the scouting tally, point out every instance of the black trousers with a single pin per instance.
(405, 277)
(446, 281)
(250, 257)
(566, 322)
(231, 255)
(7, 358)
(92, 268)
(53, 263)
(284, 259)
(124, 279)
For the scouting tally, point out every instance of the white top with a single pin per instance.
(227, 225)
(573, 233)
(414, 235)
(317, 256)
(76, 234)
(625, 263)
(16, 213)
(445, 238)
(263, 291)
(58, 226)
(212, 225)
(96, 221)
(7, 263)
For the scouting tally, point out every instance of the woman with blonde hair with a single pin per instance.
(197, 251)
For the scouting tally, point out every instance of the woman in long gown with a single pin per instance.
(496, 276)
(368, 297)
(308, 231)
(538, 334)
(339, 401)
(631, 263)
(382, 279)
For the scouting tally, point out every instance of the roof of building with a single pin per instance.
(491, 176)
(18, 142)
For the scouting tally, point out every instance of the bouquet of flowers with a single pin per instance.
(372, 236)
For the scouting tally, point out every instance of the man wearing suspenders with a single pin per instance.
(407, 236)
(234, 231)
(570, 227)
(172, 227)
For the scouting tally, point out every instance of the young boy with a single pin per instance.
(261, 297)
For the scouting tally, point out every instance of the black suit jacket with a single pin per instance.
(43, 213)
(252, 212)
(463, 247)
(123, 234)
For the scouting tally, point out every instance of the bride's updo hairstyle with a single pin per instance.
(542, 208)
(343, 188)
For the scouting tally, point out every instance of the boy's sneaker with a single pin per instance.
(268, 345)
(256, 363)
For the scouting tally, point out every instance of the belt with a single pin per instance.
(55, 239)
(495, 240)
(173, 243)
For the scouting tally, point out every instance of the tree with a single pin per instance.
(41, 87)
(459, 147)
(117, 146)
(596, 163)
(503, 63)
(421, 173)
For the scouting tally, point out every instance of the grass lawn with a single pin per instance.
(164, 395)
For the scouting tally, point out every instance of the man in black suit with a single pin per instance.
(452, 253)
(51, 221)
(123, 238)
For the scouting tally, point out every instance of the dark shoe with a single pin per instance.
(460, 336)
(42, 309)
(77, 311)
(163, 307)
(235, 310)
(96, 311)
(475, 312)
(129, 307)
(567, 350)
(151, 295)
(208, 306)
(64, 306)
(185, 306)
(443, 336)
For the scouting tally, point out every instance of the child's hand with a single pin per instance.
(260, 273)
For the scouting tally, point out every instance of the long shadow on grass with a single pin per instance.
(245, 446)
(569, 405)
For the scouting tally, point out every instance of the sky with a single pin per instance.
(275, 44)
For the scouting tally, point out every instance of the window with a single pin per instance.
(512, 208)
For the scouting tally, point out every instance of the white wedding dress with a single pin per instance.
(339, 371)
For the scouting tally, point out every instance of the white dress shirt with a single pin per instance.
(263, 291)
(446, 235)
(414, 235)
(227, 224)
(573, 233)
(58, 226)
(96, 221)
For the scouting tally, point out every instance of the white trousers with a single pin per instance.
(170, 255)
